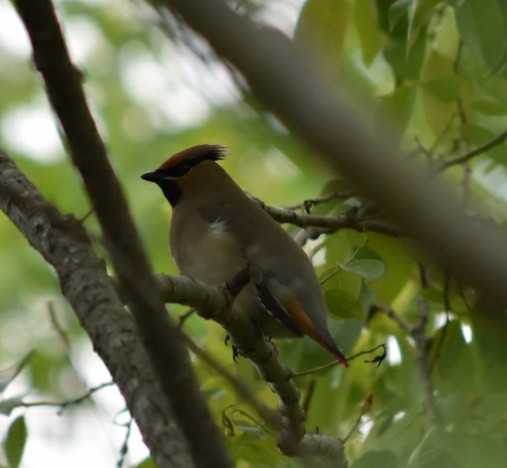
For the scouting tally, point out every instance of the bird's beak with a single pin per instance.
(154, 176)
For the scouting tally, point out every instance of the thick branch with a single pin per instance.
(252, 345)
(215, 304)
(284, 80)
(168, 355)
(84, 281)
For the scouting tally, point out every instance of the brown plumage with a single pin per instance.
(217, 231)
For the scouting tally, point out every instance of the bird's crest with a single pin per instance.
(194, 155)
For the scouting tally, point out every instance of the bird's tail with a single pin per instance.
(340, 357)
(329, 344)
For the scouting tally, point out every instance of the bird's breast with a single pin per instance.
(203, 250)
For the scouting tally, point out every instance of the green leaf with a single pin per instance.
(481, 25)
(440, 85)
(433, 452)
(368, 268)
(147, 463)
(15, 442)
(406, 64)
(397, 11)
(342, 304)
(445, 88)
(321, 28)
(370, 36)
(490, 344)
(345, 332)
(454, 362)
(419, 16)
(366, 263)
(399, 105)
(484, 450)
(253, 448)
(377, 459)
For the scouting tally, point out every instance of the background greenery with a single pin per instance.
(435, 70)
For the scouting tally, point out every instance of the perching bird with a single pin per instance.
(218, 231)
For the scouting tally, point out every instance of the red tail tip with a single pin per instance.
(340, 357)
(329, 344)
(342, 360)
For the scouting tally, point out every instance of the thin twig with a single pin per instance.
(63, 405)
(330, 364)
(235, 411)
(122, 455)
(310, 391)
(421, 346)
(442, 134)
(421, 149)
(390, 312)
(447, 307)
(418, 334)
(475, 152)
(365, 408)
(309, 203)
(57, 326)
(86, 216)
(184, 317)
(330, 223)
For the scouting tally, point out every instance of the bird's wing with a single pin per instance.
(275, 308)
(284, 306)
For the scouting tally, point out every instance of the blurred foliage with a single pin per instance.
(435, 71)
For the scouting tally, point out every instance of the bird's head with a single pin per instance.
(170, 175)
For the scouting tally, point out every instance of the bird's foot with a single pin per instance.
(236, 353)
(236, 284)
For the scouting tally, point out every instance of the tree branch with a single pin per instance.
(328, 223)
(89, 155)
(63, 405)
(475, 152)
(309, 203)
(111, 328)
(63, 243)
(215, 304)
(280, 76)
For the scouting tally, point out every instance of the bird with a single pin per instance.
(217, 230)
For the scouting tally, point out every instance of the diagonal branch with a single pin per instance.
(283, 79)
(84, 282)
(88, 152)
(215, 304)
(63, 242)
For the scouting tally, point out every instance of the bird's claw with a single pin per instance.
(236, 353)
